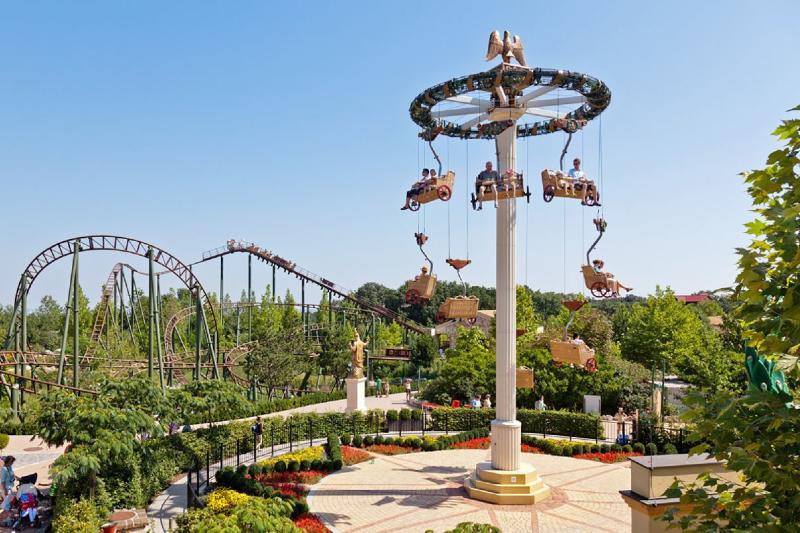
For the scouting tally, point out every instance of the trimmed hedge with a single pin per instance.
(533, 421)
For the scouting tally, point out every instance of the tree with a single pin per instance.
(334, 357)
(468, 369)
(756, 433)
(665, 331)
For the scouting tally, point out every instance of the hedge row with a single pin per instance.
(565, 423)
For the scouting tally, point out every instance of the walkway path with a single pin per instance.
(171, 503)
(394, 401)
(420, 491)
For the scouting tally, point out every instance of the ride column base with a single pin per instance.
(506, 480)
(356, 400)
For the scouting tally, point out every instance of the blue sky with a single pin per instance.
(188, 123)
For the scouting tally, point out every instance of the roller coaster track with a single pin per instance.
(116, 244)
(234, 246)
(102, 308)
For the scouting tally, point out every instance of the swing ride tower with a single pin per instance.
(493, 105)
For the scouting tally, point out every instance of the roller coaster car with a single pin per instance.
(459, 308)
(507, 187)
(421, 288)
(440, 188)
(601, 284)
(573, 353)
(525, 379)
(555, 184)
(398, 352)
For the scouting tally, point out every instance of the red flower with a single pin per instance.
(481, 443)
(311, 523)
(352, 456)
(390, 449)
(527, 448)
(308, 477)
(608, 457)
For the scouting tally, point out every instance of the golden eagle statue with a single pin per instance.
(506, 48)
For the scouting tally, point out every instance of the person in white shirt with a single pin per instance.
(575, 172)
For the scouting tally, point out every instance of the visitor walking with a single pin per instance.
(540, 405)
(407, 386)
(7, 477)
(258, 431)
(386, 388)
(487, 401)
(378, 387)
(476, 402)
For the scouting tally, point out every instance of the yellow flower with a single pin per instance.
(222, 500)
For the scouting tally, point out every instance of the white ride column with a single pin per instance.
(506, 429)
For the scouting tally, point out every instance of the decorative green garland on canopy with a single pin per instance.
(514, 79)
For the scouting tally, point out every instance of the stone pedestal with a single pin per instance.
(521, 486)
(355, 394)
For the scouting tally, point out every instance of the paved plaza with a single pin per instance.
(420, 491)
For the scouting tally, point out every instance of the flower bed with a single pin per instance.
(391, 449)
(311, 524)
(353, 456)
(315, 453)
(482, 443)
(527, 448)
(295, 490)
(608, 457)
(309, 477)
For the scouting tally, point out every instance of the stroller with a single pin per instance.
(24, 505)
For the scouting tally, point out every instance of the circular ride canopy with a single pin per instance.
(483, 105)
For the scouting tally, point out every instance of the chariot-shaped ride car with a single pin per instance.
(506, 187)
(421, 288)
(459, 308)
(439, 188)
(571, 352)
(556, 184)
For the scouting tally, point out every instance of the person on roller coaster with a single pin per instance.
(417, 188)
(488, 178)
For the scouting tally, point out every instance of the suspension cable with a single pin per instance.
(466, 193)
(527, 205)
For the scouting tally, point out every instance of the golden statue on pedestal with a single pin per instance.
(357, 349)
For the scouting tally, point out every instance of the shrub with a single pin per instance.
(78, 517)
(627, 448)
(605, 448)
(594, 448)
(3, 440)
(416, 414)
(566, 451)
(471, 527)
(357, 441)
(392, 415)
(413, 442)
(316, 464)
(533, 421)
(378, 439)
(651, 449)
(555, 449)
(638, 447)
(368, 440)
(305, 465)
(405, 413)
(670, 448)
(616, 447)
(254, 470)
(577, 448)
(293, 466)
(280, 466)
(346, 440)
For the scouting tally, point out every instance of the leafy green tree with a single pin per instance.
(468, 369)
(423, 350)
(334, 357)
(757, 434)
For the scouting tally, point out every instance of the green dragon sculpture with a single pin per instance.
(764, 375)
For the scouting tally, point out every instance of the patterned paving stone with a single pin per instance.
(416, 492)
